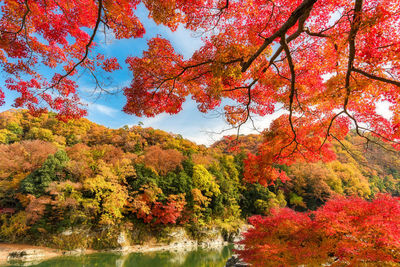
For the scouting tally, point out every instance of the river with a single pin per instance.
(196, 258)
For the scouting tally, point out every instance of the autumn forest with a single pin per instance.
(56, 176)
(318, 185)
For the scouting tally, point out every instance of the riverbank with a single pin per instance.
(45, 253)
(30, 253)
(176, 240)
(216, 257)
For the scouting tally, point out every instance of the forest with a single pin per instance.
(71, 175)
(319, 185)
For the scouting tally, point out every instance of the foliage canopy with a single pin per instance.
(326, 62)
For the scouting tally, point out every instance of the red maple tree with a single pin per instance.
(326, 62)
(349, 232)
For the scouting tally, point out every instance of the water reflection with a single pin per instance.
(197, 258)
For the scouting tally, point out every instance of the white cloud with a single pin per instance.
(184, 41)
(203, 128)
(155, 122)
(217, 128)
(4, 108)
(105, 37)
(92, 91)
(96, 108)
(103, 109)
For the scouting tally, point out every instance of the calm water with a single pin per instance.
(198, 258)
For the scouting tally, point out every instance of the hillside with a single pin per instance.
(56, 176)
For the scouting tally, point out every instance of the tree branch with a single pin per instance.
(98, 21)
(374, 77)
(23, 20)
(302, 11)
(292, 90)
(352, 48)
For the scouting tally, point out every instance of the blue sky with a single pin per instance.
(105, 109)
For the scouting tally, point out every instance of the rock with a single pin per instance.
(177, 234)
(211, 238)
(179, 240)
(122, 240)
(75, 252)
(232, 261)
(213, 243)
(67, 232)
(124, 250)
(235, 261)
(26, 255)
(237, 236)
(183, 245)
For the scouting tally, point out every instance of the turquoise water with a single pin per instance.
(198, 258)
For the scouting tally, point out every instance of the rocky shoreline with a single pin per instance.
(26, 253)
(178, 242)
(17, 253)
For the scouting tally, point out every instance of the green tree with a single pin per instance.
(226, 204)
(258, 199)
(52, 170)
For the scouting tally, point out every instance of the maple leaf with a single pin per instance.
(328, 63)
